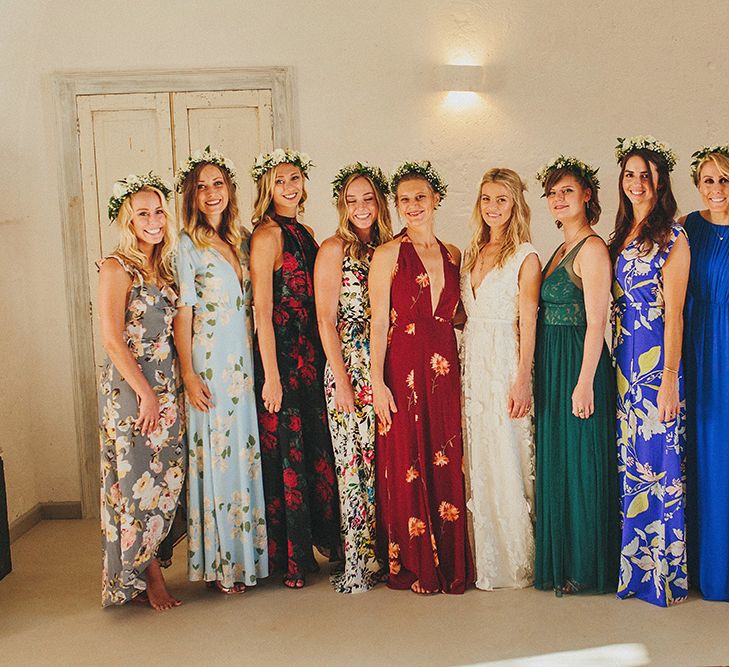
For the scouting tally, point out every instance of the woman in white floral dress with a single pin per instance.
(343, 313)
(213, 335)
(500, 293)
(142, 454)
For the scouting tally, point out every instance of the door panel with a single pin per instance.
(238, 123)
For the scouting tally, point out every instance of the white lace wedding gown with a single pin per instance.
(500, 450)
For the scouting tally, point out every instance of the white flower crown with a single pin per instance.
(648, 143)
(373, 173)
(700, 155)
(575, 165)
(209, 156)
(424, 169)
(131, 184)
(266, 161)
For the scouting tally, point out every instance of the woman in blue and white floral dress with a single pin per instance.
(213, 335)
(652, 257)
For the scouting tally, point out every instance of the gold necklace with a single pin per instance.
(563, 251)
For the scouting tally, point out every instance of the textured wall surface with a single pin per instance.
(561, 77)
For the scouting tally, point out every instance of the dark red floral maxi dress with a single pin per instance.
(302, 502)
(420, 485)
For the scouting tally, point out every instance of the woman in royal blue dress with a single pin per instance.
(651, 258)
(706, 352)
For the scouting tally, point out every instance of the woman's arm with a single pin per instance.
(327, 286)
(380, 280)
(530, 280)
(266, 249)
(196, 389)
(592, 264)
(114, 284)
(675, 279)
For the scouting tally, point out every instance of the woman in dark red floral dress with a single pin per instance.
(302, 504)
(414, 291)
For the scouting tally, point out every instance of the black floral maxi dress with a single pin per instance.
(302, 506)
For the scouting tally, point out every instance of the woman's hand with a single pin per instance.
(197, 393)
(384, 404)
(148, 417)
(583, 401)
(343, 395)
(520, 398)
(272, 394)
(668, 400)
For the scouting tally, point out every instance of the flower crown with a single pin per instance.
(373, 173)
(207, 156)
(266, 161)
(131, 184)
(424, 169)
(576, 166)
(648, 143)
(700, 155)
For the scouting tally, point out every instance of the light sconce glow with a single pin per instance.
(459, 78)
(460, 99)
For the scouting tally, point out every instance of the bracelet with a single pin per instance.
(666, 369)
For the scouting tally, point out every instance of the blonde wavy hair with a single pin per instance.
(194, 221)
(517, 231)
(162, 261)
(263, 206)
(353, 246)
(721, 162)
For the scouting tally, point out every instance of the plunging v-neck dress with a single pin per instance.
(420, 484)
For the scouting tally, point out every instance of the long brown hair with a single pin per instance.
(195, 223)
(382, 232)
(656, 228)
(263, 206)
(592, 206)
(517, 230)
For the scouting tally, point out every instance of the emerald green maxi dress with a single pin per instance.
(576, 491)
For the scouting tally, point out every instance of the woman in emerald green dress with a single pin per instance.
(574, 396)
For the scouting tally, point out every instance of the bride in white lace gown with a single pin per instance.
(500, 293)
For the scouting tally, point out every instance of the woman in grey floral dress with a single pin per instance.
(142, 455)
(343, 313)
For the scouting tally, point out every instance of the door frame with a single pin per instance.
(66, 87)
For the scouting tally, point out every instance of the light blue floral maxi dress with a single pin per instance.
(226, 511)
(650, 452)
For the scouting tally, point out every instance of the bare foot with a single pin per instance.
(416, 587)
(157, 594)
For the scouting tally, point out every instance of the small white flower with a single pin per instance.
(279, 155)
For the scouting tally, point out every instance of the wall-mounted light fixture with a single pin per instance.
(459, 78)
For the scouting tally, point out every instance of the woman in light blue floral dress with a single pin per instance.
(343, 311)
(142, 451)
(213, 335)
(651, 256)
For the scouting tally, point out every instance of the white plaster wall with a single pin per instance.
(562, 77)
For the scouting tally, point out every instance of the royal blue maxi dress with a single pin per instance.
(650, 452)
(706, 361)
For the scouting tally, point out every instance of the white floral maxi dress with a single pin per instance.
(500, 450)
(226, 511)
(353, 435)
(141, 476)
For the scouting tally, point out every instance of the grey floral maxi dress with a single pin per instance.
(141, 476)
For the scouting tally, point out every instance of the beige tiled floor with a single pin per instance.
(50, 614)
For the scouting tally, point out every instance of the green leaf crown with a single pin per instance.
(645, 142)
(425, 169)
(576, 166)
(209, 156)
(266, 161)
(375, 174)
(125, 187)
(700, 155)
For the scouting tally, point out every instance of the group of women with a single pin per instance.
(342, 421)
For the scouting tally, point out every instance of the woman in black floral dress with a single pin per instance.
(302, 508)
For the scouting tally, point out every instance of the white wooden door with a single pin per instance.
(238, 123)
(119, 135)
(131, 133)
